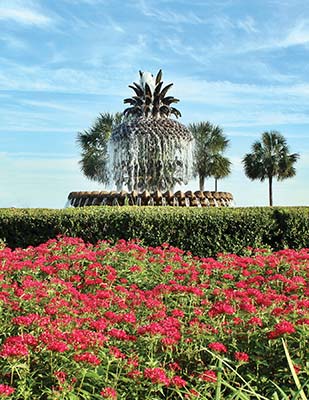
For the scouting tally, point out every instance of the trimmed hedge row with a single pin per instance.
(203, 231)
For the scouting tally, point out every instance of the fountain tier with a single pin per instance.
(156, 198)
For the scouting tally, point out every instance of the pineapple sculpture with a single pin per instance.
(150, 150)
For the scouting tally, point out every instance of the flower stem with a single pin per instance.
(219, 380)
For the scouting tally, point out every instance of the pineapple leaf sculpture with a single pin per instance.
(151, 151)
(150, 100)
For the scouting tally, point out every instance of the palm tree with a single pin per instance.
(270, 159)
(208, 160)
(93, 142)
(221, 168)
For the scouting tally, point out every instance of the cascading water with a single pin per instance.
(149, 150)
(150, 160)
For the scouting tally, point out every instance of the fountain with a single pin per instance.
(149, 154)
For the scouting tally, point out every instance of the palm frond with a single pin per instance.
(209, 144)
(93, 143)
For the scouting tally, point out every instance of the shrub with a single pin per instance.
(203, 231)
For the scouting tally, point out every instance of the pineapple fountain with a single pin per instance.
(149, 154)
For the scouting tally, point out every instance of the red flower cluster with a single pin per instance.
(126, 313)
(283, 327)
(218, 347)
(240, 356)
(6, 390)
(109, 393)
(157, 375)
(208, 376)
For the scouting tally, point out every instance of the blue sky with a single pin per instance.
(241, 64)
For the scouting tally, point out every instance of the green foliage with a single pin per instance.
(203, 231)
(210, 143)
(270, 159)
(93, 143)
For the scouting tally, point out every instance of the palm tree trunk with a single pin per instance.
(216, 184)
(202, 181)
(270, 190)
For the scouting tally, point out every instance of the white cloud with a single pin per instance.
(90, 2)
(248, 118)
(179, 48)
(280, 37)
(50, 105)
(168, 16)
(298, 35)
(229, 93)
(13, 42)
(19, 12)
(63, 80)
(247, 24)
(115, 25)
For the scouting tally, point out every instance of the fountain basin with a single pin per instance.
(156, 198)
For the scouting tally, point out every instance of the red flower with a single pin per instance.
(87, 358)
(177, 313)
(134, 374)
(58, 346)
(218, 347)
(14, 346)
(221, 307)
(281, 328)
(255, 321)
(208, 376)
(239, 356)
(6, 390)
(157, 375)
(193, 393)
(178, 381)
(135, 268)
(174, 366)
(116, 352)
(109, 393)
(61, 376)
(228, 276)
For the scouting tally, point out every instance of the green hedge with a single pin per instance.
(203, 231)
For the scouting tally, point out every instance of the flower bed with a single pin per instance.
(80, 321)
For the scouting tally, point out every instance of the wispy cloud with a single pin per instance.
(298, 35)
(116, 27)
(249, 119)
(49, 105)
(13, 42)
(63, 80)
(243, 105)
(168, 15)
(90, 2)
(18, 128)
(20, 12)
(295, 35)
(227, 92)
(248, 24)
(178, 47)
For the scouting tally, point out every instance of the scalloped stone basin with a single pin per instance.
(157, 198)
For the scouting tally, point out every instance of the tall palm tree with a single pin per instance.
(208, 160)
(93, 143)
(270, 159)
(221, 168)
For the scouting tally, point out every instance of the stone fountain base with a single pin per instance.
(157, 198)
